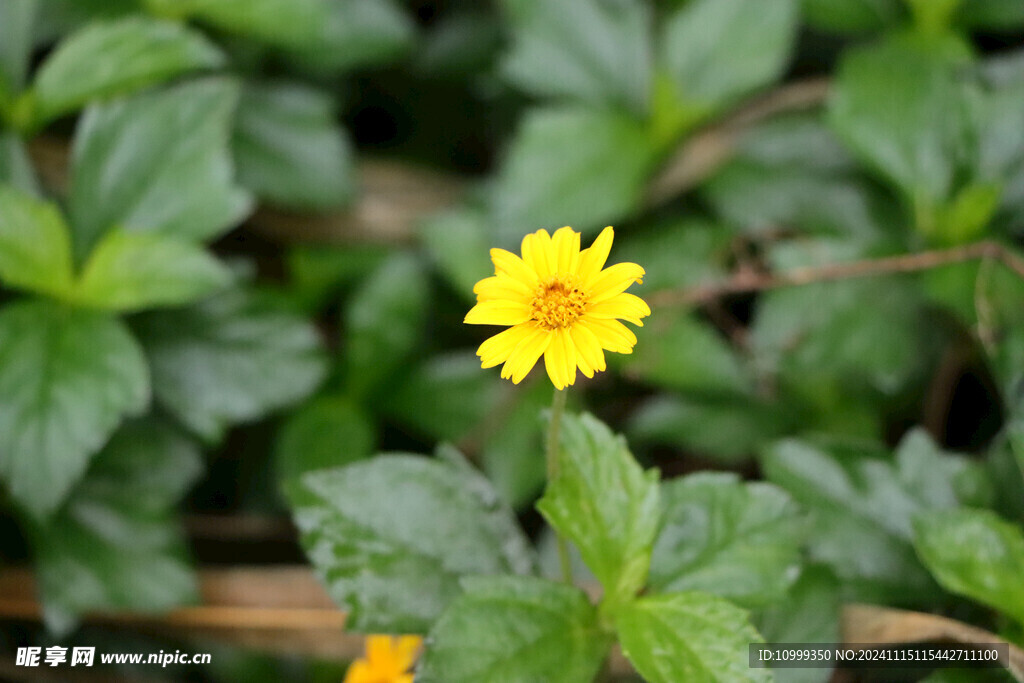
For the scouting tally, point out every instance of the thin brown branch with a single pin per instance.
(705, 152)
(748, 281)
(871, 624)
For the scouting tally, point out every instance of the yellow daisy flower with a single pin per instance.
(388, 660)
(560, 303)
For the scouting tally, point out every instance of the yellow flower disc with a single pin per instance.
(559, 302)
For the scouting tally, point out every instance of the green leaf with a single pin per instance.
(285, 23)
(974, 553)
(853, 16)
(677, 252)
(716, 51)
(16, 167)
(823, 332)
(68, 378)
(107, 58)
(513, 453)
(679, 352)
(328, 431)
(356, 33)
(810, 614)
(515, 629)
(595, 51)
(793, 171)
(35, 246)
(688, 637)
(118, 544)
(158, 161)
(458, 243)
(992, 14)
(317, 274)
(391, 536)
(908, 124)
(580, 167)
(719, 535)
(384, 323)
(863, 507)
(130, 271)
(729, 428)
(605, 503)
(446, 397)
(16, 19)
(290, 149)
(229, 359)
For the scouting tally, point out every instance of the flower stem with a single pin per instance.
(557, 409)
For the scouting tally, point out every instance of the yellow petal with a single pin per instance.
(525, 355)
(612, 335)
(625, 306)
(499, 312)
(613, 280)
(592, 260)
(498, 348)
(405, 651)
(502, 287)
(538, 253)
(588, 348)
(405, 678)
(566, 244)
(379, 650)
(360, 672)
(560, 359)
(513, 266)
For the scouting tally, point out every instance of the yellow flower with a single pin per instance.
(388, 659)
(561, 303)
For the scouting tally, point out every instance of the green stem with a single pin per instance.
(557, 409)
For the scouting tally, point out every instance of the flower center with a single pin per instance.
(558, 302)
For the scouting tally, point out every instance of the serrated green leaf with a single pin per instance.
(580, 167)
(286, 23)
(35, 244)
(716, 51)
(863, 507)
(117, 544)
(390, 537)
(605, 503)
(158, 161)
(515, 630)
(108, 58)
(974, 553)
(809, 614)
(383, 323)
(290, 149)
(229, 359)
(16, 19)
(679, 352)
(68, 378)
(329, 431)
(129, 271)
(356, 33)
(688, 637)
(594, 51)
(722, 536)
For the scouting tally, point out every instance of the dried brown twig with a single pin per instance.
(748, 281)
